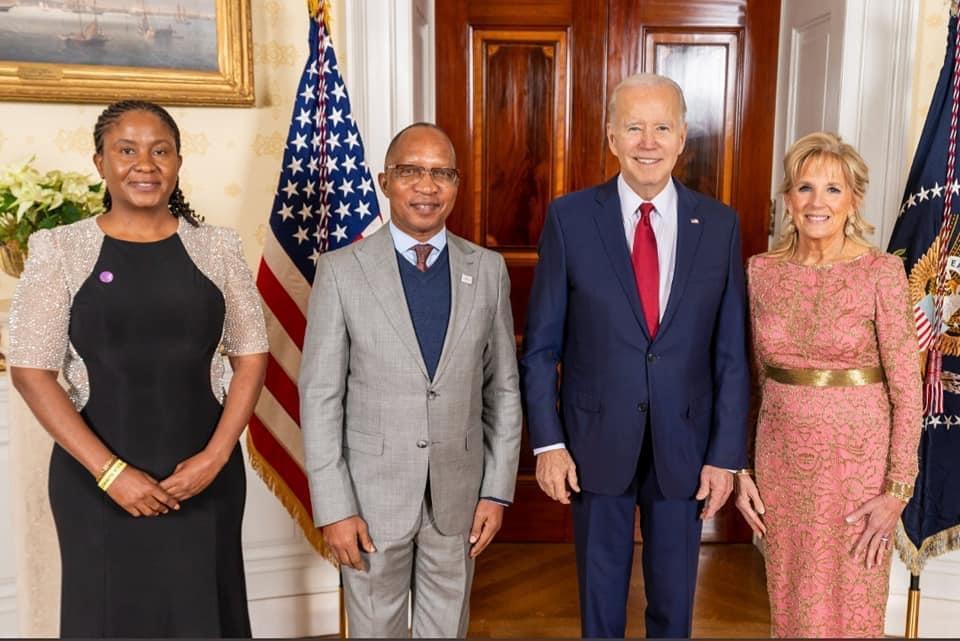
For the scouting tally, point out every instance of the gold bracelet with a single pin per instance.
(111, 474)
(898, 490)
(105, 467)
(746, 470)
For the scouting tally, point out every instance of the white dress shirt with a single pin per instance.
(663, 219)
(404, 244)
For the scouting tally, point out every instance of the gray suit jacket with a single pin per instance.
(373, 422)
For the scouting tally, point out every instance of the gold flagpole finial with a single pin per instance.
(321, 9)
(954, 7)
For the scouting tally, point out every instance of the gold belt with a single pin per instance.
(825, 377)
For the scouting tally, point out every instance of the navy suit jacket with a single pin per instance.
(692, 379)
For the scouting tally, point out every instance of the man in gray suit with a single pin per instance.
(410, 403)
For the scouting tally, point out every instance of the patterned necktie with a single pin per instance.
(423, 251)
(646, 268)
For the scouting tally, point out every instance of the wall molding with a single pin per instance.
(8, 596)
(8, 573)
(4, 410)
(875, 108)
(8, 608)
(389, 86)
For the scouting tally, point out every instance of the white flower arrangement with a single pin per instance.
(30, 201)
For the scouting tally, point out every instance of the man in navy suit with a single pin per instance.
(639, 295)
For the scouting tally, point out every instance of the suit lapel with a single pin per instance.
(378, 260)
(464, 266)
(609, 221)
(688, 239)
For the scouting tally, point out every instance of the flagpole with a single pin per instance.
(913, 608)
(344, 628)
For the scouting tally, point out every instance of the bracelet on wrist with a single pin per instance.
(898, 490)
(108, 477)
(106, 466)
(745, 470)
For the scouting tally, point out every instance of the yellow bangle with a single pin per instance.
(118, 466)
(106, 466)
(746, 470)
(898, 490)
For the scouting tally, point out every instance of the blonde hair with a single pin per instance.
(821, 146)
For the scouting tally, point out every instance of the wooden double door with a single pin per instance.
(522, 88)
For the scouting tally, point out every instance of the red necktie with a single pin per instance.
(422, 252)
(646, 268)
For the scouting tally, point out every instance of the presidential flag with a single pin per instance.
(926, 237)
(325, 199)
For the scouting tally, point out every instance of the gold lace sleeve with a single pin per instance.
(244, 330)
(897, 343)
(40, 311)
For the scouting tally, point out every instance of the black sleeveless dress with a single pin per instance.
(147, 323)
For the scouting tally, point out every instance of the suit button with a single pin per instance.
(642, 407)
(432, 395)
(651, 358)
(421, 444)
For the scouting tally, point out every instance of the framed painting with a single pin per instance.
(170, 51)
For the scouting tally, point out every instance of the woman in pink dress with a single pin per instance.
(838, 373)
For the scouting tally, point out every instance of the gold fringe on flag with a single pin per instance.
(942, 542)
(288, 499)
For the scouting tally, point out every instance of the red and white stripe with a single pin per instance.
(924, 329)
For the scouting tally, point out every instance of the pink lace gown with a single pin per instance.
(821, 452)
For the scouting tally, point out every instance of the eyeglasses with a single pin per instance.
(443, 176)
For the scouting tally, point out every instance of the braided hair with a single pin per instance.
(179, 206)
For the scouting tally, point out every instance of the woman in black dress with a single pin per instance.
(133, 307)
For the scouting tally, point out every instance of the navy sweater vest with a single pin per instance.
(428, 300)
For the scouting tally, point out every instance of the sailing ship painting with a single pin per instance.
(89, 34)
(149, 32)
(171, 34)
(181, 15)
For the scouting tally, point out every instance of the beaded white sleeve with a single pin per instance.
(244, 330)
(58, 262)
(40, 311)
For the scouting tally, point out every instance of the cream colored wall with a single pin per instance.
(231, 156)
(931, 45)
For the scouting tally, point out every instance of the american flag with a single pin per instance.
(325, 199)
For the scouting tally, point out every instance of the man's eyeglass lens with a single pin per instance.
(440, 175)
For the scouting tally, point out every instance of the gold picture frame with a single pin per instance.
(229, 84)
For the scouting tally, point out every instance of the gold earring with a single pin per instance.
(788, 223)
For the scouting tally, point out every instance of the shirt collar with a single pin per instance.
(664, 202)
(404, 242)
